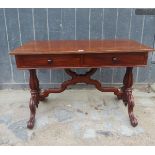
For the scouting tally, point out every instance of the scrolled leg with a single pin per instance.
(127, 96)
(34, 100)
(130, 102)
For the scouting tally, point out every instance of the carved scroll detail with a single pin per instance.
(126, 95)
(131, 104)
(34, 100)
(79, 78)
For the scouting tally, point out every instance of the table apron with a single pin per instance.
(82, 60)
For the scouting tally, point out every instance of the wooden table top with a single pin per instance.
(80, 46)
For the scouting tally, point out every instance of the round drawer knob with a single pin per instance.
(49, 61)
(115, 59)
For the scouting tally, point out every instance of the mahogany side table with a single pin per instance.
(69, 54)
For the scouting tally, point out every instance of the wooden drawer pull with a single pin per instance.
(49, 61)
(115, 59)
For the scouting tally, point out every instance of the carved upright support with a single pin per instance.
(34, 100)
(127, 95)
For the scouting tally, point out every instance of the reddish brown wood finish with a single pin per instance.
(81, 60)
(115, 59)
(80, 46)
(35, 97)
(48, 61)
(126, 95)
(81, 54)
(80, 78)
(34, 100)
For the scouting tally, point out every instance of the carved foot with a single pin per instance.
(133, 120)
(32, 105)
(30, 123)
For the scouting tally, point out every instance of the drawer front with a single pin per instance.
(47, 61)
(122, 59)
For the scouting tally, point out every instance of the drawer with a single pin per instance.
(119, 59)
(47, 61)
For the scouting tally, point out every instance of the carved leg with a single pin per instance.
(34, 100)
(131, 104)
(127, 96)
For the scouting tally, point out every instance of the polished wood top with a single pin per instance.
(80, 46)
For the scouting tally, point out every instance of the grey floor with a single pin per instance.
(76, 117)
